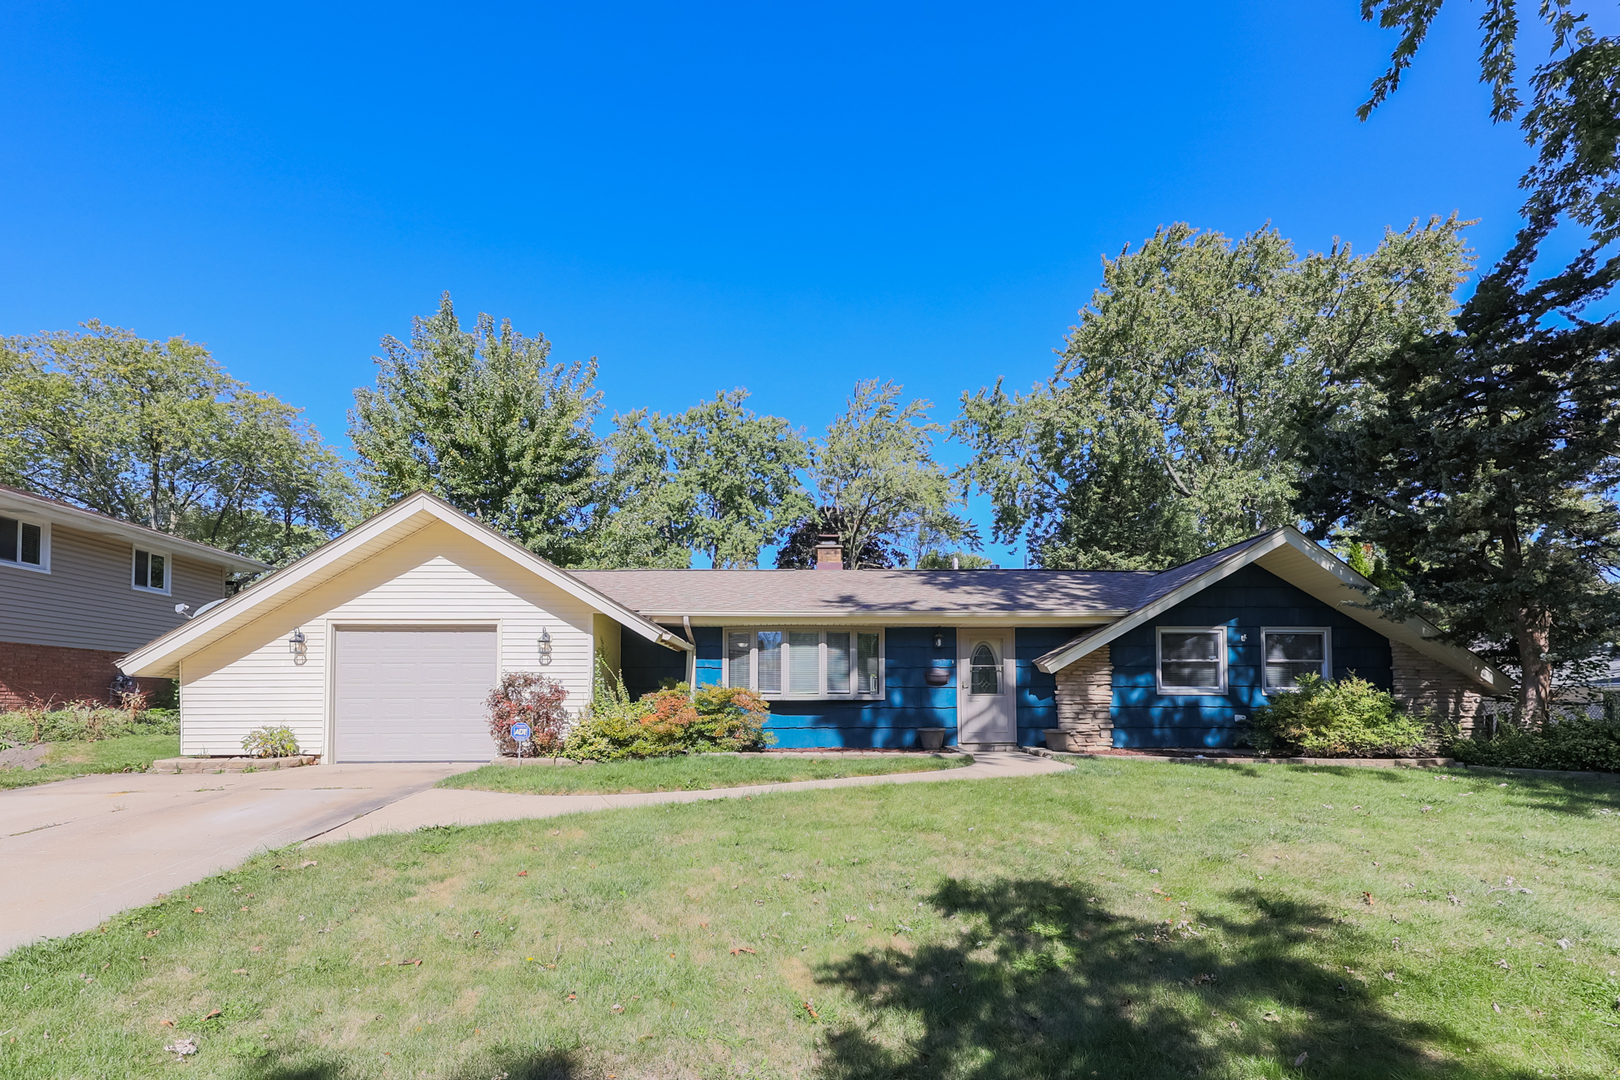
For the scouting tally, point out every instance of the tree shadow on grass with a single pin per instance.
(1038, 981)
(503, 1063)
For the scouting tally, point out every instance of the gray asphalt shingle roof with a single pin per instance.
(852, 592)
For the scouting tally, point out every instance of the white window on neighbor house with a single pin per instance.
(25, 544)
(1292, 651)
(151, 573)
(806, 663)
(1191, 660)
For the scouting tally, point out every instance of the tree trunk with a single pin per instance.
(1533, 633)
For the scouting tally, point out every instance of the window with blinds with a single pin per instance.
(806, 663)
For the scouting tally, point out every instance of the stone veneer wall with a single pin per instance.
(1085, 697)
(1422, 683)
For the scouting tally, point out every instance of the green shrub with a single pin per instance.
(271, 742)
(670, 722)
(1570, 741)
(82, 722)
(1347, 718)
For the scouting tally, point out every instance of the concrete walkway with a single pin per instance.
(459, 806)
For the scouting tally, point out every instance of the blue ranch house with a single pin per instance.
(383, 645)
(1075, 659)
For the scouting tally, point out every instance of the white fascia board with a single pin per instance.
(1090, 616)
(1064, 655)
(158, 657)
(89, 521)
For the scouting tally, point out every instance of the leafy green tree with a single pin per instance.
(877, 484)
(1175, 420)
(484, 420)
(1572, 118)
(952, 560)
(798, 550)
(157, 433)
(1486, 464)
(718, 478)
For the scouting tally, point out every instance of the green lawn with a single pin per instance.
(692, 772)
(1125, 919)
(129, 753)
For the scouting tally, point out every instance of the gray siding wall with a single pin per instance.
(87, 601)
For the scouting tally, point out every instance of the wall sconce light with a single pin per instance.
(939, 640)
(545, 646)
(295, 643)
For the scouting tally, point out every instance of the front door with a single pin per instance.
(984, 697)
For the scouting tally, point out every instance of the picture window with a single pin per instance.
(806, 663)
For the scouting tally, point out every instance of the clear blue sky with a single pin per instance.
(702, 196)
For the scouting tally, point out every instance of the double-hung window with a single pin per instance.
(151, 573)
(25, 544)
(806, 663)
(1192, 661)
(1294, 651)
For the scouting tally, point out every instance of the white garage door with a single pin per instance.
(413, 694)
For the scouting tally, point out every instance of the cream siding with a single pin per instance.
(88, 600)
(436, 576)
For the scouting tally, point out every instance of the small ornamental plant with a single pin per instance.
(1347, 718)
(271, 742)
(533, 699)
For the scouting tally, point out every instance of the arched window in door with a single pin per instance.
(984, 672)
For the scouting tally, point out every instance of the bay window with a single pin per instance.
(806, 663)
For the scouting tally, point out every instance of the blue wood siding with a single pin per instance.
(1249, 599)
(644, 664)
(1037, 691)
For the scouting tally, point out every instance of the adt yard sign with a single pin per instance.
(521, 732)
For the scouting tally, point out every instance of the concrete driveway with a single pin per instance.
(77, 851)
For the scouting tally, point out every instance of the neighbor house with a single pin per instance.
(383, 644)
(79, 589)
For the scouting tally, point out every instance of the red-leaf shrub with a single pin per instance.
(535, 700)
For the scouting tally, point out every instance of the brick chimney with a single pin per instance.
(829, 552)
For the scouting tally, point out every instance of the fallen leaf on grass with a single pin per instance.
(216, 1012)
(617, 1008)
(523, 873)
(1271, 1017)
(1367, 898)
(166, 1023)
(196, 911)
(408, 963)
(307, 863)
(811, 1009)
(571, 997)
(743, 949)
(1495, 1007)
(239, 971)
(257, 948)
(1301, 1059)
(153, 933)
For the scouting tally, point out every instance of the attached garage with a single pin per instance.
(384, 644)
(412, 693)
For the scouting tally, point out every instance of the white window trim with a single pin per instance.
(44, 566)
(1327, 653)
(168, 571)
(854, 694)
(1221, 658)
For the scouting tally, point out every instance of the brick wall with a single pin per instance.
(1085, 695)
(30, 673)
(1423, 683)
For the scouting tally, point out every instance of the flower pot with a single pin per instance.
(1063, 741)
(931, 738)
(938, 675)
